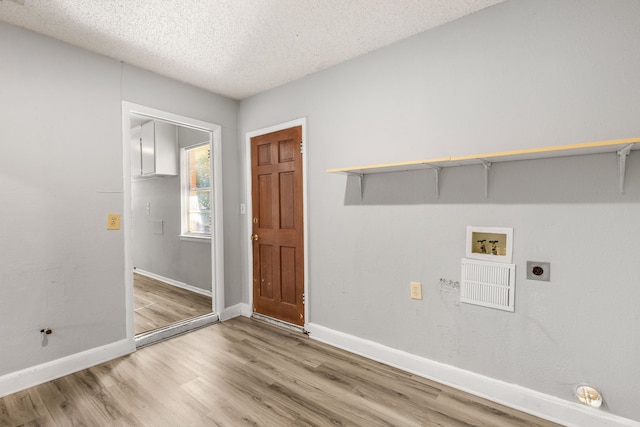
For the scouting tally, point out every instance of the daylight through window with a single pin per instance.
(196, 197)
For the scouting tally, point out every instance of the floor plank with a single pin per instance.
(247, 372)
(158, 304)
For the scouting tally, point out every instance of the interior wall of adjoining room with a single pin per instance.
(518, 75)
(156, 212)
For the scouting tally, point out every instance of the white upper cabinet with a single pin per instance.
(154, 150)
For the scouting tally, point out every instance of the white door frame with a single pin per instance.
(249, 252)
(217, 240)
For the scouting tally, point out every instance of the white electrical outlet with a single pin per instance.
(416, 290)
(113, 222)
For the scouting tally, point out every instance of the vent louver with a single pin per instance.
(489, 284)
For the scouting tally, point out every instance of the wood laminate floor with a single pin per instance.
(158, 304)
(244, 372)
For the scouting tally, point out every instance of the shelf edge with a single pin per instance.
(365, 168)
(451, 161)
(550, 149)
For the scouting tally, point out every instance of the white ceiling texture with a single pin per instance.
(235, 48)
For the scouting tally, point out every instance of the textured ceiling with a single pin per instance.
(236, 48)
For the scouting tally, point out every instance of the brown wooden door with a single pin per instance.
(278, 238)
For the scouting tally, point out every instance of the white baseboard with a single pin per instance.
(175, 283)
(21, 380)
(241, 309)
(530, 401)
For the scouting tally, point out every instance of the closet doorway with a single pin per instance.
(173, 235)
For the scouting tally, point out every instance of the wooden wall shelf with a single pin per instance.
(622, 147)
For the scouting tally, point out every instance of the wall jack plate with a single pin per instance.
(538, 271)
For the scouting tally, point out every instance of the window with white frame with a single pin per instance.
(196, 190)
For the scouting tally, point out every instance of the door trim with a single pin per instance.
(248, 266)
(217, 245)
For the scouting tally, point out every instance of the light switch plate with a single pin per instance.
(539, 271)
(158, 227)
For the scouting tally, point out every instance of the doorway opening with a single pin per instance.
(173, 227)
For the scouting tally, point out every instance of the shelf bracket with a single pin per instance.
(623, 153)
(436, 170)
(487, 167)
(359, 176)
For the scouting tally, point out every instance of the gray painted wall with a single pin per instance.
(61, 169)
(164, 253)
(61, 174)
(521, 74)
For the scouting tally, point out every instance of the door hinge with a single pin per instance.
(301, 145)
(303, 298)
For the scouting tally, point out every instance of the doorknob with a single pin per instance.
(254, 237)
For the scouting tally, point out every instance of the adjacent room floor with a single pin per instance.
(247, 372)
(158, 304)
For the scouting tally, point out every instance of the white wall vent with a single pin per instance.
(489, 284)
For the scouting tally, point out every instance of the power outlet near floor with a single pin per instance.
(416, 290)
